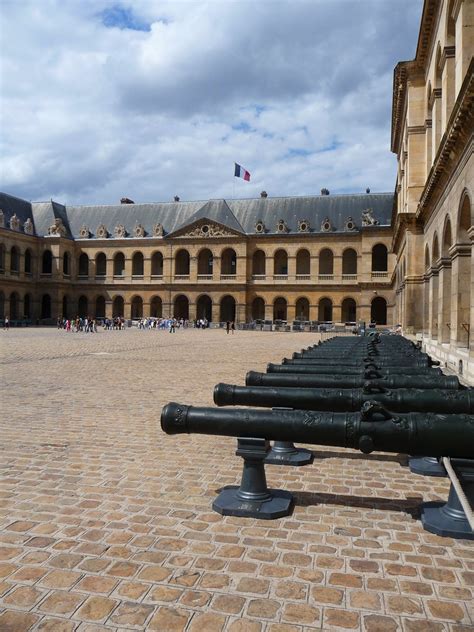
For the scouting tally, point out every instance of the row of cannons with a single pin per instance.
(374, 393)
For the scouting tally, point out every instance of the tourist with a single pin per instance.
(6, 323)
(227, 326)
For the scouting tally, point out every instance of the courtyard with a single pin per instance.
(106, 522)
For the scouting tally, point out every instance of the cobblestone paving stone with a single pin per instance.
(106, 523)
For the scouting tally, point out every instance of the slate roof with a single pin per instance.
(239, 215)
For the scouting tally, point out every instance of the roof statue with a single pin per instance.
(57, 229)
(368, 218)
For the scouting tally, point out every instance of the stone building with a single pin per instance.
(320, 258)
(433, 227)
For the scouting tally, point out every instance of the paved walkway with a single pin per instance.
(106, 523)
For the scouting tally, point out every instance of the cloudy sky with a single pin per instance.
(148, 99)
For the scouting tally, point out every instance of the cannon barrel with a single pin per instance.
(361, 370)
(341, 400)
(315, 380)
(371, 429)
(351, 361)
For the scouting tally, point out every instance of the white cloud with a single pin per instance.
(299, 92)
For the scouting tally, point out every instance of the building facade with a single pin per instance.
(319, 258)
(433, 227)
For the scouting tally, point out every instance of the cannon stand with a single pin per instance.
(253, 499)
(285, 452)
(426, 466)
(449, 519)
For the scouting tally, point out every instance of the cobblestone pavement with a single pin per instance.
(106, 523)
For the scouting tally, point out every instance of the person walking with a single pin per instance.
(6, 323)
(227, 326)
(232, 327)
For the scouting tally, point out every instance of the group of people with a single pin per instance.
(86, 324)
(89, 325)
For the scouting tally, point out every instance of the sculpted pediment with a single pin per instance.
(205, 229)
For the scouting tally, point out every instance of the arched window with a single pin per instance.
(326, 261)
(349, 310)
(447, 239)
(14, 259)
(100, 307)
(83, 269)
(28, 262)
(47, 267)
(46, 305)
(205, 262)
(83, 306)
(303, 262)
(2, 257)
(258, 263)
(302, 309)
(66, 269)
(227, 311)
(157, 264)
(258, 308)
(325, 310)
(280, 308)
(156, 307)
(379, 258)
(14, 303)
(137, 307)
(280, 262)
(181, 305)
(378, 311)
(137, 264)
(204, 307)
(100, 265)
(464, 274)
(349, 261)
(118, 307)
(229, 261)
(119, 266)
(181, 263)
(27, 306)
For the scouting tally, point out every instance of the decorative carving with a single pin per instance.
(102, 232)
(303, 226)
(138, 231)
(2, 219)
(326, 225)
(368, 218)
(259, 227)
(209, 230)
(158, 230)
(14, 222)
(350, 224)
(84, 232)
(57, 229)
(28, 226)
(120, 231)
(282, 227)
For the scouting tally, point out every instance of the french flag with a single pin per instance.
(240, 172)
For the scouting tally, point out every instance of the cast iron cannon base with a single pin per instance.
(253, 499)
(448, 519)
(285, 453)
(426, 466)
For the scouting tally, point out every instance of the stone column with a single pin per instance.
(291, 267)
(338, 268)
(193, 266)
(193, 311)
(290, 312)
(217, 267)
(128, 269)
(108, 309)
(460, 294)
(433, 303)
(240, 313)
(444, 303)
(146, 267)
(269, 311)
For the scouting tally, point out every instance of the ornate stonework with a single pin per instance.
(138, 231)
(57, 229)
(158, 230)
(282, 226)
(84, 232)
(368, 218)
(303, 226)
(14, 222)
(349, 224)
(2, 219)
(209, 229)
(28, 226)
(102, 232)
(259, 227)
(326, 225)
(120, 231)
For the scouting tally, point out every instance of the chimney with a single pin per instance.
(126, 200)
(176, 198)
(263, 194)
(324, 191)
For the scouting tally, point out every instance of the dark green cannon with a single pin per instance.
(350, 361)
(377, 372)
(342, 400)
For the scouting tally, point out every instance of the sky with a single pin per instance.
(149, 99)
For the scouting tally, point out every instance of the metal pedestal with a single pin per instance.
(426, 466)
(285, 453)
(253, 499)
